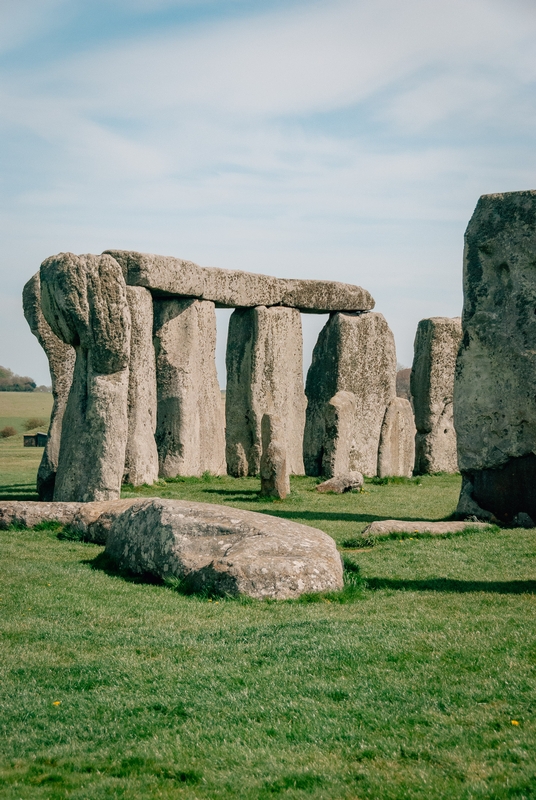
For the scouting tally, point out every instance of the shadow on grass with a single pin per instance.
(233, 492)
(452, 585)
(18, 491)
(351, 591)
(338, 516)
(103, 563)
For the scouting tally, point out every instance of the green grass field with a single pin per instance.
(417, 681)
(18, 464)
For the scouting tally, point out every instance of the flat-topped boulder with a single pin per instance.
(224, 550)
(386, 527)
(167, 275)
(91, 521)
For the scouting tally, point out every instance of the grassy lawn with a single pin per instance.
(417, 683)
(18, 464)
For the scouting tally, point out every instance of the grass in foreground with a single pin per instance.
(419, 685)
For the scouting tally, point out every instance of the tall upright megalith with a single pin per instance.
(354, 353)
(495, 386)
(84, 301)
(432, 385)
(396, 453)
(339, 445)
(190, 420)
(141, 456)
(61, 358)
(264, 376)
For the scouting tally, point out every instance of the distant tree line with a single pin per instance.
(9, 382)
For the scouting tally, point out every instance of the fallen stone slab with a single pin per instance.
(386, 527)
(167, 275)
(26, 514)
(91, 520)
(224, 550)
(341, 483)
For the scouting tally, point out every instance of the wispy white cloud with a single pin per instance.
(223, 141)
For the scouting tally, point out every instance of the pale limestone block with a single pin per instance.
(275, 481)
(190, 421)
(61, 358)
(264, 376)
(356, 354)
(84, 302)
(141, 457)
(432, 386)
(396, 454)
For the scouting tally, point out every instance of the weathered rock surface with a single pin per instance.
(84, 302)
(432, 386)
(225, 550)
(388, 526)
(28, 513)
(237, 289)
(396, 454)
(321, 297)
(354, 353)
(341, 483)
(264, 376)
(339, 447)
(94, 520)
(190, 434)
(495, 387)
(141, 457)
(61, 358)
(91, 520)
(275, 481)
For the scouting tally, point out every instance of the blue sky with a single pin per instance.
(347, 139)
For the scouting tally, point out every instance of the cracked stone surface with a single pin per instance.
(356, 354)
(85, 303)
(224, 550)
(436, 346)
(61, 358)
(264, 376)
(237, 289)
(495, 386)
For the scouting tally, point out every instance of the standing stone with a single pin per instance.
(264, 376)
(141, 457)
(396, 455)
(61, 358)
(85, 303)
(432, 385)
(190, 422)
(275, 480)
(339, 448)
(354, 353)
(495, 387)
